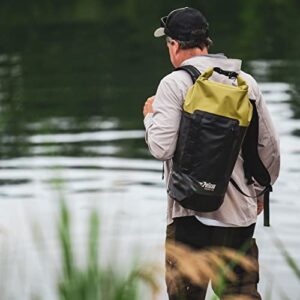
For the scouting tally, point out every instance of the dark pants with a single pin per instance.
(192, 233)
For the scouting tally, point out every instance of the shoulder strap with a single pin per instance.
(193, 71)
(266, 192)
(253, 165)
(267, 188)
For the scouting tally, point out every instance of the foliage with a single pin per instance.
(288, 258)
(254, 28)
(215, 264)
(95, 282)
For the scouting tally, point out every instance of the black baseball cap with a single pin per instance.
(183, 24)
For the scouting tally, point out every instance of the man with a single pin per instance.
(232, 225)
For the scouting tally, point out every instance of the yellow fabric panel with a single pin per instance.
(220, 99)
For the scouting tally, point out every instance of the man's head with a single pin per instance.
(186, 31)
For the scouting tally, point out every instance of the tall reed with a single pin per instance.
(94, 282)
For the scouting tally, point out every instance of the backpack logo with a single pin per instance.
(207, 186)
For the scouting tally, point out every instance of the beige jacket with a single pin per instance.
(162, 130)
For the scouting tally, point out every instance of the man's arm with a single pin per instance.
(162, 124)
(268, 141)
(268, 147)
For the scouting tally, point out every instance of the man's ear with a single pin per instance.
(176, 47)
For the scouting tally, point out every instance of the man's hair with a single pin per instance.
(203, 43)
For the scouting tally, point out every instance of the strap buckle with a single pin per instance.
(230, 74)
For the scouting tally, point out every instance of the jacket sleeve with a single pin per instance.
(163, 124)
(268, 141)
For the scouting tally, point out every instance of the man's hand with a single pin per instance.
(148, 106)
(260, 206)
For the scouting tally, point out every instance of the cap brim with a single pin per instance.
(159, 32)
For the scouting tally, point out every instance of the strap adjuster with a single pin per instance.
(230, 74)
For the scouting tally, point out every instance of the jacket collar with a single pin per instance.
(213, 60)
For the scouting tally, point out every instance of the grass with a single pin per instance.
(215, 264)
(95, 282)
(288, 258)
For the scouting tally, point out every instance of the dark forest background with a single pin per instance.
(85, 58)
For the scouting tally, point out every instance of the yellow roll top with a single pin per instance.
(220, 99)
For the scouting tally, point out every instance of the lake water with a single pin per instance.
(79, 119)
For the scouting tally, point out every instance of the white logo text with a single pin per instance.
(207, 186)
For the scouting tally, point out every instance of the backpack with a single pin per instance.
(218, 122)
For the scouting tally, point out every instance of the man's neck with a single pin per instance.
(189, 53)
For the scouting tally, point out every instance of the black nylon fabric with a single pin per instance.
(253, 165)
(206, 152)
